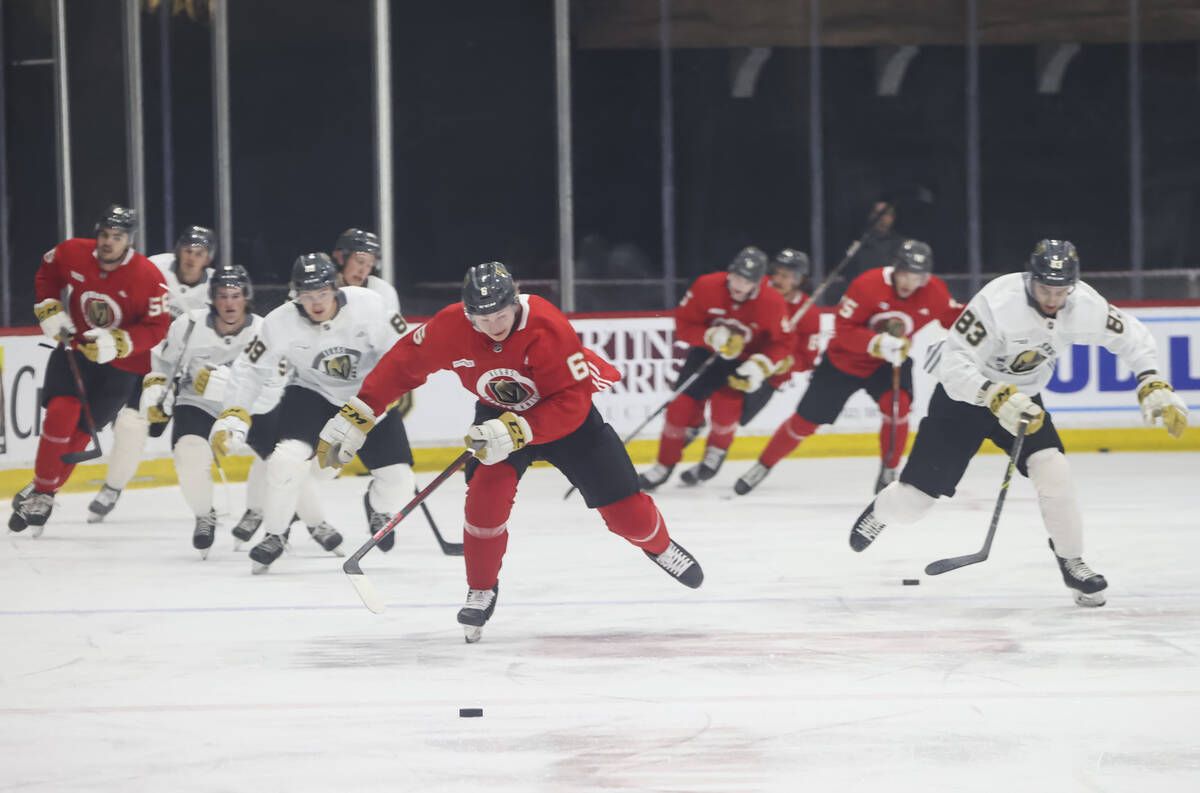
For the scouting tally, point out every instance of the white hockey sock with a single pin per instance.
(193, 466)
(309, 506)
(1051, 476)
(287, 473)
(130, 430)
(391, 488)
(256, 484)
(902, 503)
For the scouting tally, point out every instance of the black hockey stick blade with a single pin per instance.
(946, 565)
(74, 458)
(448, 548)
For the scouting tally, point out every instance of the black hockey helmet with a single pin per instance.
(792, 260)
(913, 256)
(750, 263)
(118, 217)
(230, 275)
(354, 240)
(313, 271)
(1054, 263)
(488, 288)
(198, 235)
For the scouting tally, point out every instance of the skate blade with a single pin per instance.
(36, 531)
(472, 633)
(338, 552)
(203, 553)
(258, 568)
(95, 517)
(237, 544)
(1094, 600)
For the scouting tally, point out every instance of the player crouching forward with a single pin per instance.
(522, 360)
(996, 360)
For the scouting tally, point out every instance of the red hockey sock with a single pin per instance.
(638, 520)
(682, 413)
(490, 495)
(787, 437)
(60, 436)
(726, 410)
(891, 457)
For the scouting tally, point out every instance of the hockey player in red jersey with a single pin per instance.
(876, 318)
(106, 305)
(735, 324)
(522, 359)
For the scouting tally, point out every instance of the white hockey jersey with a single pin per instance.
(330, 358)
(194, 344)
(1001, 338)
(184, 298)
(391, 301)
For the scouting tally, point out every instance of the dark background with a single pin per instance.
(475, 146)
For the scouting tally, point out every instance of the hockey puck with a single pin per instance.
(911, 581)
(468, 713)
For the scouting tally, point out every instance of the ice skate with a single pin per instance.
(327, 537)
(477, 611)
(103, 504)
(1087, 585)
(31, 508)
(751, 479)
(202, 535)
(654, 476)
(682, 566)
(708, 467)
(266, 552)
(866, 529)
(245, 528)
(376, 521)
(886, 477)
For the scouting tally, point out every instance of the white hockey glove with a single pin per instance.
(229, 431)
(752, 373)
(500, 436)
(105, 344)
(211, 382)
(1159, 400)
(344, 434)
(1010, 406)
(158, 400)
(725, 342)
(55, 321)
(893, 349)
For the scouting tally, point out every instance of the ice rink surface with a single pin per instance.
(129, 664)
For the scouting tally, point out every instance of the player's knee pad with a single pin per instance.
(900, 502)
(1051, 476)
(490, 495)
(289, 463)
(636, 518)
(1049, 472)
(130, 430)
(193, 467)
(681, 414)
(391, 487)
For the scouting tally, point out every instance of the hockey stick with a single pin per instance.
(895, 417)
(74, 458)
(448, 548)
(955, 562)
(684, 386)
(351, 567)
(158, 429)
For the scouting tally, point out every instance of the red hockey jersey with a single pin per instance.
(132, 297)
(869, 303)
(759, 319)
(806, 339)
(540, 371)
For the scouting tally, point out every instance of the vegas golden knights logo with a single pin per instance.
(341, 366)
(508, 392)
(99, 314)
(1026, 361)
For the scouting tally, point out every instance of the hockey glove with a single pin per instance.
(1010, 406)
(211, 382)
(157, 399)
(56, 323)
(500, 436)
(229, 431)
(893, 349)
(344, 434)
(751, 374)
(105, 344)
(726, 343)
(1159, 400)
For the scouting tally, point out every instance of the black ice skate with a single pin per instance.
(245, 528)
(376, 521)
(654, 476)
(886, 477)
(681, 565)
(866, 529)
(327, 537)
(202, 535)
(103, 504)
(31, 508)
(708, 467)
(266, 552)
(477, 611)
(1086, 584)
(751, 479)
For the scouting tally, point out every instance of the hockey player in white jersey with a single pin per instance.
(186, 270)
(333, 337)
(992, 367)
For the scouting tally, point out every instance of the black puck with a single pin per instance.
(468, 713)
(911, 581)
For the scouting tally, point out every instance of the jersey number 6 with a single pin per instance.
(578, 366)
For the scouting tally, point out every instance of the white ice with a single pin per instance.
(128, 664)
